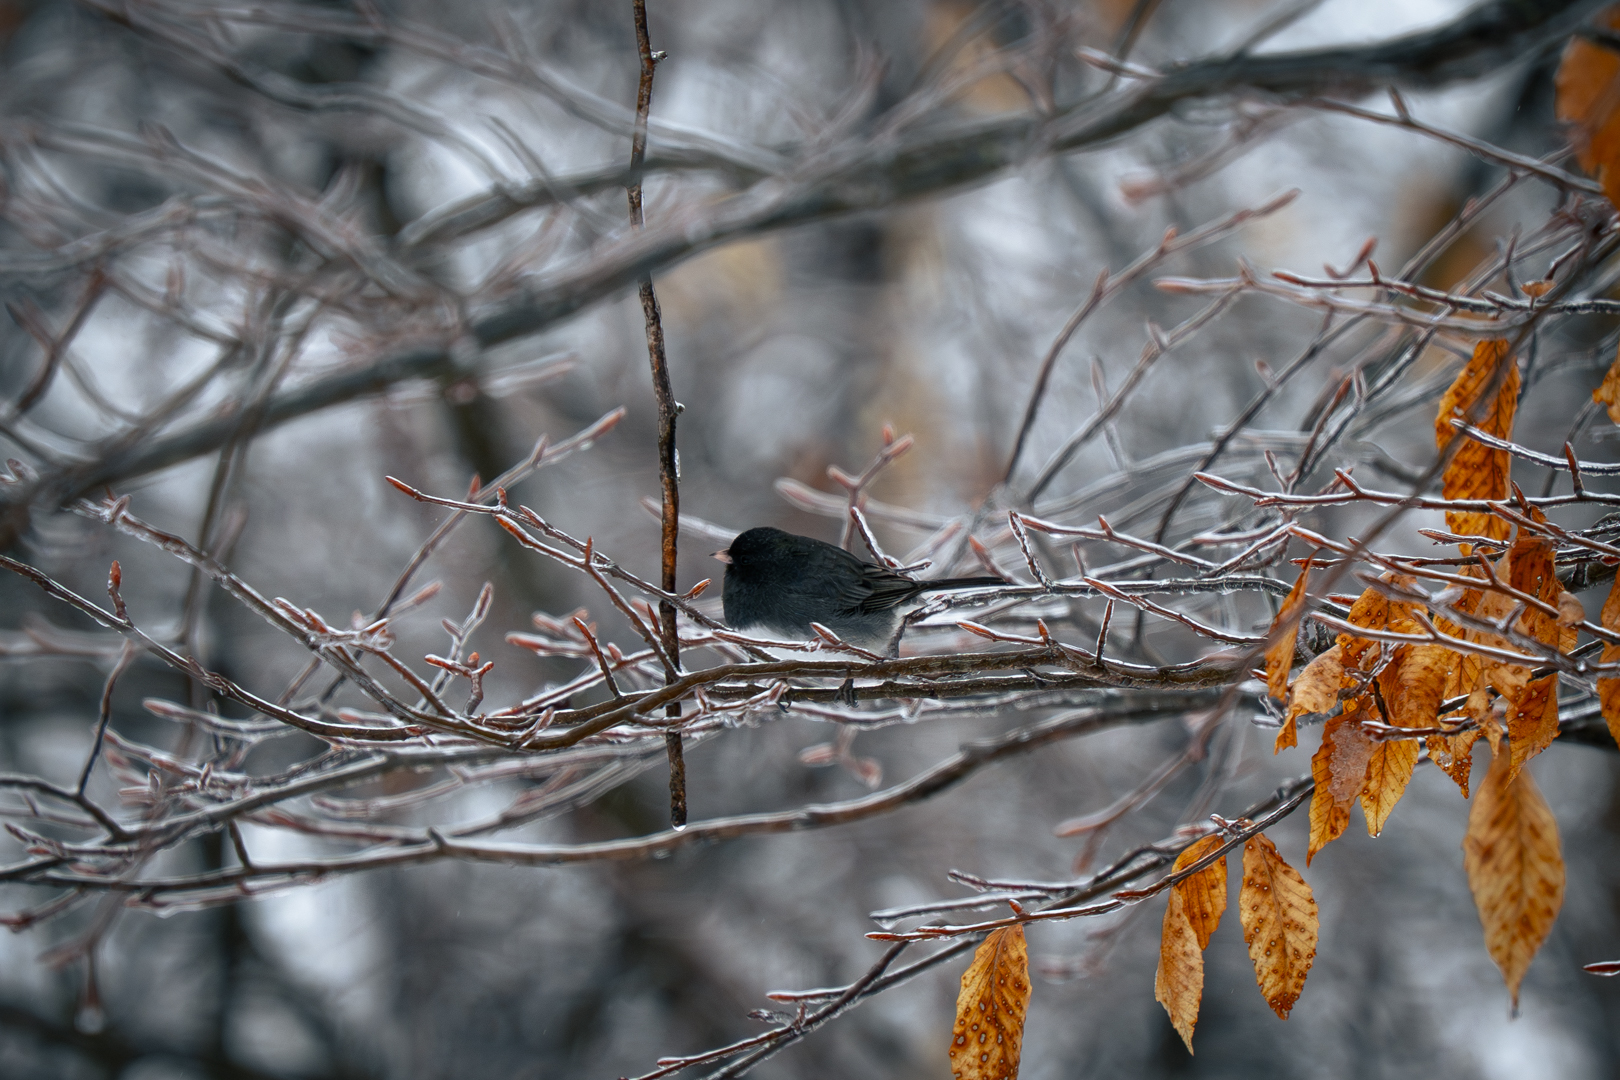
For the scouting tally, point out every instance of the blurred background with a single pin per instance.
(212, 208)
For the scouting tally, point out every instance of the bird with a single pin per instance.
(782, 583)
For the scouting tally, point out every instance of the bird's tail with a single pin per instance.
(966, 583)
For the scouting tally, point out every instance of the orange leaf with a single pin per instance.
(1465, 674)
(1316, 691)
(1514, 868)
(1375, 612)
(1284, 631)
(1412, 685)
(1588, 99)
(1371, 610)
(1530, 570)
(1205, 891)
(1609, 689)
(1507, 679)
(1339, 768)
(990, 1009)
(1455, 753)
(1287, 735)
(1389, 770)
(1279, 920)
(1476, 471)
(1490, 725)
(1401, 619)
(1455, 756)
(1195, 909)
(1178, 985)
(1608, 392)
(1532, 722)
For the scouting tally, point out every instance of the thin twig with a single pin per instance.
(668, 410)
(125, 657)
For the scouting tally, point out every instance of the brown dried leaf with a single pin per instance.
(1400, 618)
(1370, 610)
(1530, 570)
(1205, 891)
(1505, 678)
(1347, 765)
(1455, 756)
(1412, 686)
(1316, 691)
(990, 1009)
(1195, 909)
(1608, 392)
(1279, 920)
(1570, 611)
(1455, 753)
(1339, 768)
(1532, 722)
(1389, 770)
(1178, 985)
(1508, 680)
(1376, 612)
(1465, 674)
(1477, 471)
(1490, 725)
(1514, 868)
(1287, 735)
(1588, 99)
(1609, 689)
(1284, 631)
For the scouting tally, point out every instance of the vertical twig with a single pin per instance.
(668, 409)
(125, 656)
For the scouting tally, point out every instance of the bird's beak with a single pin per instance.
(723, 556)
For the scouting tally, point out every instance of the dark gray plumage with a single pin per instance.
(781, 583)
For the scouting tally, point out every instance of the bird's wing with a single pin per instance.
(878, 590)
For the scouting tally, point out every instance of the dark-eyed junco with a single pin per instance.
(782, 583)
